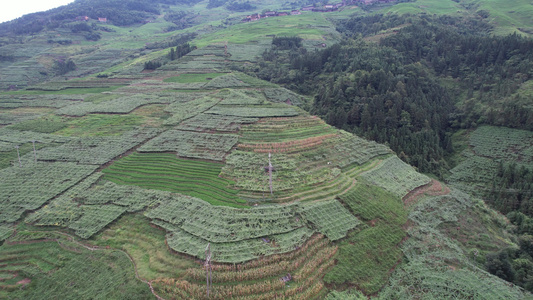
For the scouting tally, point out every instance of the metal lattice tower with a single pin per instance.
(34, 152)
(270, 173)
(18, 154)
(208, 268)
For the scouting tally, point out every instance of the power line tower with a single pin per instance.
(34, 152)
(208, 268)
(270, 173)
(226, 49)
(18, 154)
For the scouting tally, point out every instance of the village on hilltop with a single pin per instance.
(323, 8)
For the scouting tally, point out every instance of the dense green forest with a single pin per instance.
(411, 90)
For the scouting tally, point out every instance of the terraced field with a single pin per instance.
(259, 279)
(167, 172)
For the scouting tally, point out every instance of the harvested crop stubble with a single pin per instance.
(218, 123)
(183, 111)
(396, 177)
(248, 171)
(256, 111)
(53, 101)
(330, 218)
(121, 105)
(192, 144)
(97, 150)
(225, 224)
(94, 218)
(18, 191)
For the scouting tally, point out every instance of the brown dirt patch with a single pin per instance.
(433, 188)
(24, 281)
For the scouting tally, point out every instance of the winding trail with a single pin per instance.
(71, 239)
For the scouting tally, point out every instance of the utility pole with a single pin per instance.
(208, 268)
(34, 152)
(270, 173)
(18, 154)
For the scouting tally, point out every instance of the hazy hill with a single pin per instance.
(128, 147)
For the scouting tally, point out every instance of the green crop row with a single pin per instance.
(167, 172)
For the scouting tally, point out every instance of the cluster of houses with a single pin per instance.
(268, 14)
(323, 8)
(86, 18)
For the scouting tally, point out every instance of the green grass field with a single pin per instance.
(189, 78)
(309, 26)
(366, 257)
(168, 173)
(99, 125)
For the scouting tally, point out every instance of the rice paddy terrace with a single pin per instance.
(141, 173)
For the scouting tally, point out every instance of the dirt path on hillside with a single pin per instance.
(433, 188)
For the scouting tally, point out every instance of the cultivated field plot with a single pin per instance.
(247, 169)
(215, 123)
(94, 218)
(282, 95)
(395, 176)
(20, 137)
(6, 230)
(240, 251)
(247, 52)
(330, 218)
(503, 143)
(49, 259)
(268, 110)
(285, 135)
(42, 125)
(164, 171)
(355, 150)
(46, 100)
(225, 224)
(259, 279)
(241, 97)
(474, 174)
(93, 204)
(182, 111)
(10, 118)
(225, 81)
(121, 105)
(97, 150)
(18, 192)
(489, 146)
(189, 144)
(238, 235)
(368, 256)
